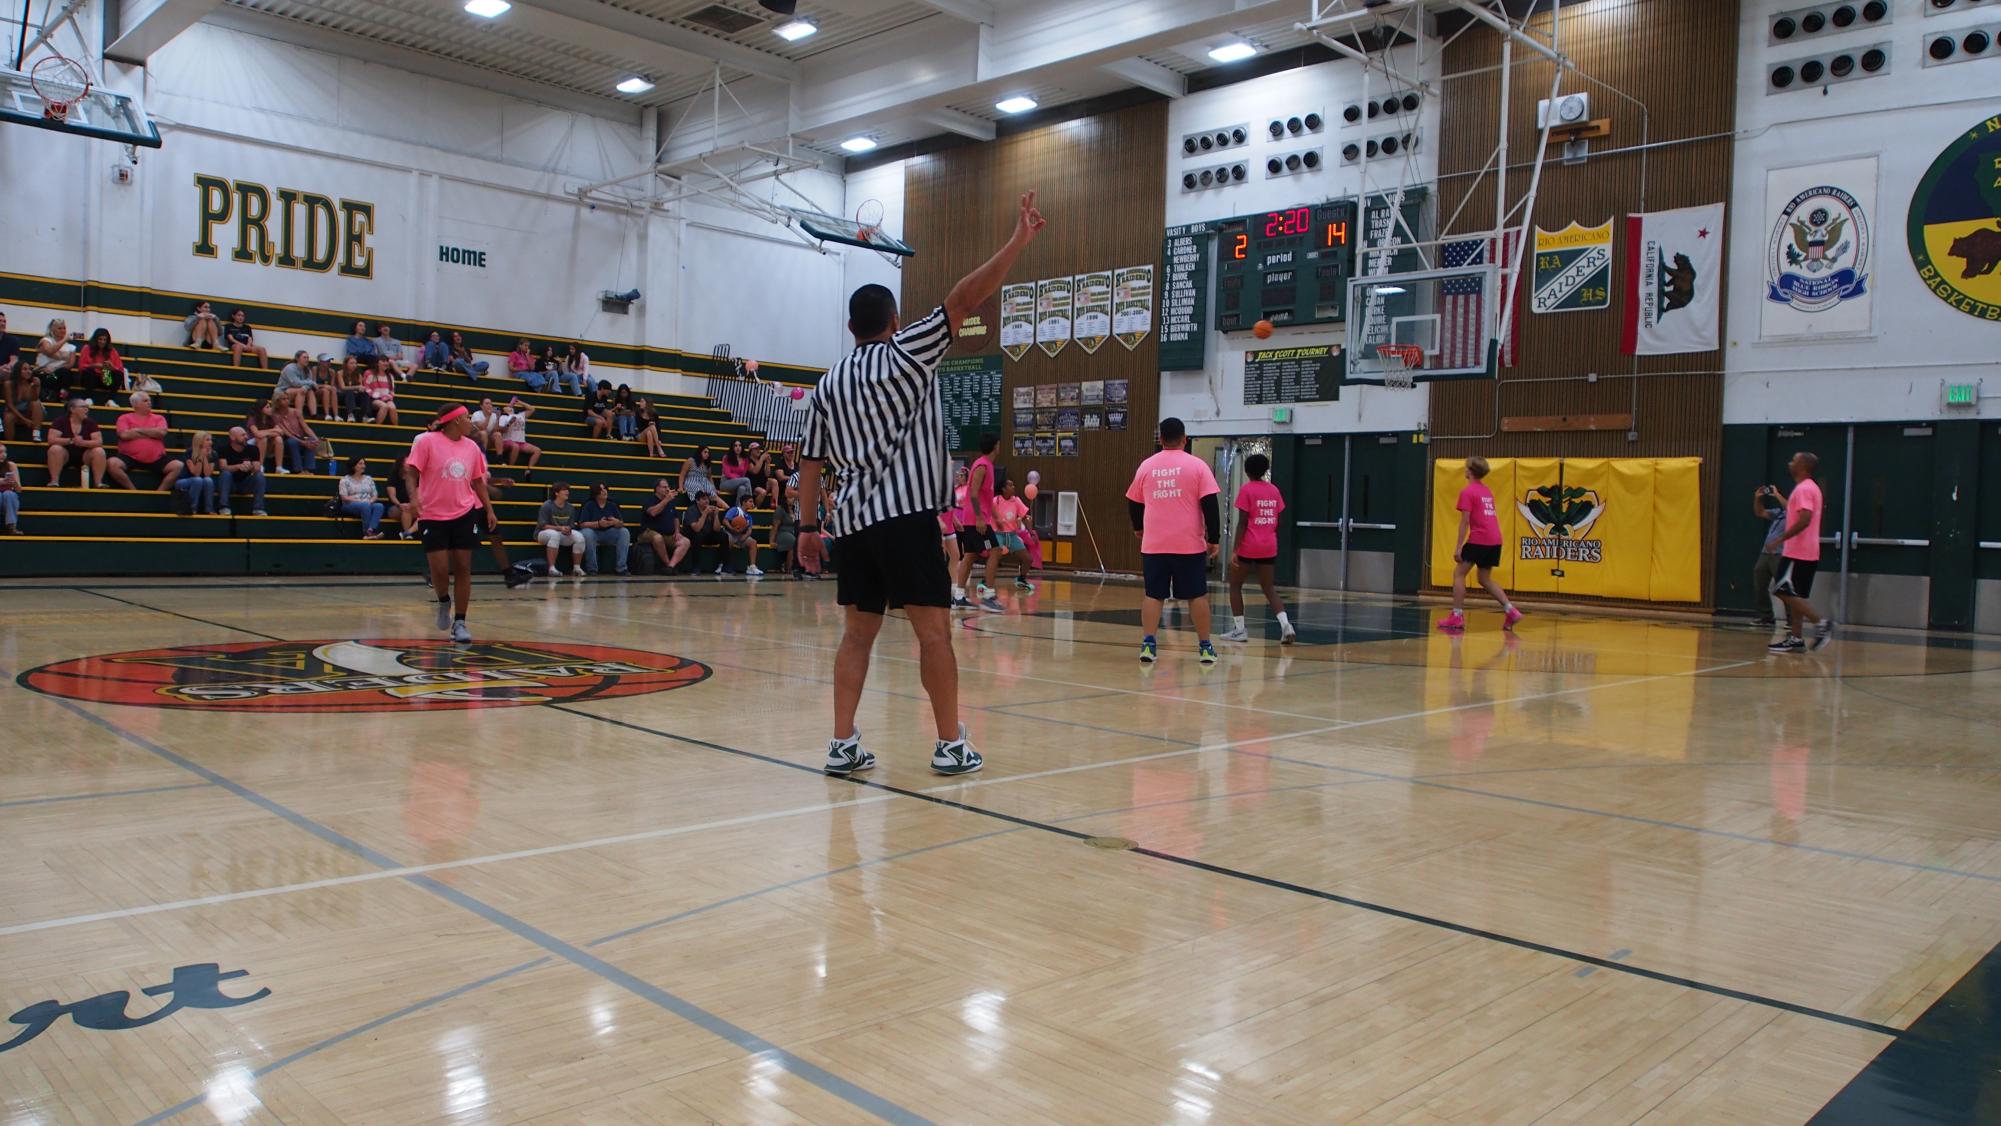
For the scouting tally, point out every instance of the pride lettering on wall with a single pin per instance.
(290, 228)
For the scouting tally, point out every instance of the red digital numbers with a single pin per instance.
(1278, 224)
(1239, 249)
(1337, 234)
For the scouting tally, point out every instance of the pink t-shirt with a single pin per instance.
(1262, 500)
(1171, 484)
(1483, 527)
(140, 449)
(1804, 547)
(1008, 512)
(446, 470)
(970, 505)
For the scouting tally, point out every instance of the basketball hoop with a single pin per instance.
(1400, 364)
(60, 83)
(868, 224)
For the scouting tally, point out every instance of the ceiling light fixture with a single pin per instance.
(858, 144)
(1232, 52)
(635, 85)
(487, 9)
(1020, 103)
(795, 31)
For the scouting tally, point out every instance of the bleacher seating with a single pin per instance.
(110, 531)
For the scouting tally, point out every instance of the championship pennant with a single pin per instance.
(1573, 269)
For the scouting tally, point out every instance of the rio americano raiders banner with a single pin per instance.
(1624, 527)
(1674, 278)
(1818, 253)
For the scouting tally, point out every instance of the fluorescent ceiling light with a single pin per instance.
(634, 85)
(858, 144)
(1020, 103)
(1232, 52)
(487, 9)
(795, 31)
(1390, 290)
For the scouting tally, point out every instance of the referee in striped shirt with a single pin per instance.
(876, 422)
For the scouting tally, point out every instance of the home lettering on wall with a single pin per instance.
(288, 227)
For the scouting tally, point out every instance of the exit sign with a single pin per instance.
(1964, 396)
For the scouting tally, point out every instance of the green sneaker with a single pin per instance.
(1205, 652)
(1148, 652)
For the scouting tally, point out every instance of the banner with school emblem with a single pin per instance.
(1817, 259)
(1092, 324)
(1017, 317)
(1674, 279)
(1955, 223)
(1052, 314)
(1573, 269)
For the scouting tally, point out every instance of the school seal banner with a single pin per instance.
(1817, 259)
(1573, 269)
(1954, 227)
(371, 675)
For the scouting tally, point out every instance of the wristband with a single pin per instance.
(809, 527)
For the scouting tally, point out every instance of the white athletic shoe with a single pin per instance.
(1287, 635)
(1238, 634)
(845, 756)
(460, 634)
(753, 573)
(957, 756)
(577, 572)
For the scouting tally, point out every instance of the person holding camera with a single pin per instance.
(1769, 505)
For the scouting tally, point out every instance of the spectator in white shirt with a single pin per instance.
(357, 498)
(514, 438)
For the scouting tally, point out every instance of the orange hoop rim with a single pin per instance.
(1409, 356)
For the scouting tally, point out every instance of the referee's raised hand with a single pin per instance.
(1029, 222)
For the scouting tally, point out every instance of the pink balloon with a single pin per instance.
(750, 366)
(1030, 492)
(798, 393)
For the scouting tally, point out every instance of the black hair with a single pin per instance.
(557, 487)
(105, 333)
(1172, 430)
(988, 443)
(870, 310)
(1256, 466)
(357, 459)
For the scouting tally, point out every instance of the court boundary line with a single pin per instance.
(18, 803)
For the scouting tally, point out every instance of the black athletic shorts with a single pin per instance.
(1796, 577)
(1175, 576)
(1481, 554)
(1256, 561)
(459, 534)
(972, 541)
(896, 563)
(158, 465)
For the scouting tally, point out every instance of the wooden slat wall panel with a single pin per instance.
(1679, 58)
(1100, 181)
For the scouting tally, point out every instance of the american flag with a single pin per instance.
(1465, 321)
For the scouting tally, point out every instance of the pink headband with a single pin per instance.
(455, 412)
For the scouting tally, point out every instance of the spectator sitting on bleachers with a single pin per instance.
(298, 388)
(695, 474)
(357, 498)
(238, 464)
(202, 328)
(514, 439)
(487, 424)
(54, 354)
(21, 392)
(577, 366)
(387, 347)
(603, 524)
(10, 495)
(521, 365)
(758, 461)
(647, 420)
(622, 413)
(98, 371)
(462, 361)
(399, 508)
(359, 351)
(74, 437)
(555, 527)
(381, 387)
(785, 538)
(350, 398)
(242, 340)
(660, 526)
(550, 368)
(736, 476)
(195, 491)
(302, 445)
(598, 411)
(142, 444)
(262, 424)
(704, 525)
(436, 355)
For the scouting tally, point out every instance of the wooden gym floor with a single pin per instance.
(1613, 871)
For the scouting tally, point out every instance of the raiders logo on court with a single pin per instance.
(1955, 223)
(372, 675)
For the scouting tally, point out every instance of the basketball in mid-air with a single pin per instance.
(1261, 330)
(736, 519)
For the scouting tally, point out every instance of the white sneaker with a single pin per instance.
(460, 634)
(956, 757)
(284, 471)
(576, 572)
(845, 756)
(753, 573)
(1238, 634)
(1287, 635)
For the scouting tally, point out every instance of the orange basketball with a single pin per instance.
(1261, 330)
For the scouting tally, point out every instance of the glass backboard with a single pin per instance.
(101, 113)
(1446, 314)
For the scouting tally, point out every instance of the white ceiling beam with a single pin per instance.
(145, 26)
(953, 121)
(972, 11)
(1052, 33)
(620, 33)
(889, 76)
(1149, 76)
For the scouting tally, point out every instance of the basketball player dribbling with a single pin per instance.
(1258, 504)
(877, 421)
(1479, 548)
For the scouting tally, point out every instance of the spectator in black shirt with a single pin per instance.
(604, 524)
(242, 339)
(238, 463)
(660, 526)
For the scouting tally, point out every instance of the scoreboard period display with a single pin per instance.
(1289, 267)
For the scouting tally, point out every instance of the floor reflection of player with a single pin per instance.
(440, 806)
(1473, 726)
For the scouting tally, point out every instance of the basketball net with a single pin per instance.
(60, 83)
(1400, 363)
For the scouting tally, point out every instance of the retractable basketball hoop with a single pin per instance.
(60, 83)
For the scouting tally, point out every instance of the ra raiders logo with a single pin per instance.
(1819, 251)
(363, 676)
(1954, 227)
(1561, 516)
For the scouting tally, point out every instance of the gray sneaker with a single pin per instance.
(1822, 634)
(957, 756)
(460, 633)
(444, 613)
(845, 756)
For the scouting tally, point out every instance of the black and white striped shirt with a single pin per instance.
(877, 422)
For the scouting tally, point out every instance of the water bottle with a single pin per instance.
(83, 472)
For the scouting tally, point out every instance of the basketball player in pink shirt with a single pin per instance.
(446, 477)
(1258, 505)
(1179, 523)
(1799, 558)
(1479, 547)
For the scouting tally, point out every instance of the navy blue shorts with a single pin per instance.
(1176, 576)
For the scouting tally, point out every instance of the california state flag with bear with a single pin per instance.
(1674, 276)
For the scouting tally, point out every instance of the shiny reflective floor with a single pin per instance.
(1612, 870)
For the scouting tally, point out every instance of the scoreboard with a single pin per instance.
(1289, 267)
